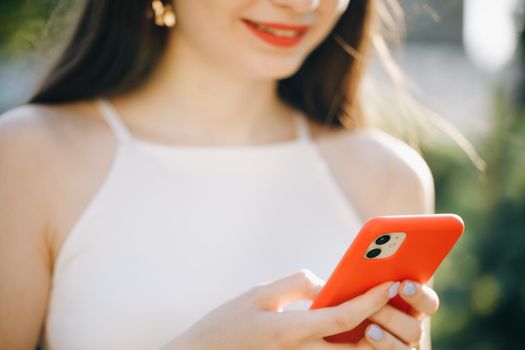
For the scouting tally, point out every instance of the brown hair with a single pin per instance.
(115, 47)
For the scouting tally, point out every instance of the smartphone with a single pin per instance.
(389, 248)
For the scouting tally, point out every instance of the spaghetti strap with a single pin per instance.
(113, 119)
(122, 133)
(144, 224)
(302, 126)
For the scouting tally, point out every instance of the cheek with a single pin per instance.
(199, 21)
(232, 47)
(342, 5)
(330, 13)
(208, 27)
(215, 32)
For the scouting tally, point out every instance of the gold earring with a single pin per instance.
(164, 14)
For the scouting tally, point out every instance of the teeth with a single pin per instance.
(277, 32)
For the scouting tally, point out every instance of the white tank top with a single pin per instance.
(175, 231)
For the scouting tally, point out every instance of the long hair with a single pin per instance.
(115, 47)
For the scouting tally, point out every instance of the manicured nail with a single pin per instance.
(319, 286)
(409, 289)
(393, 290)
(375, 333)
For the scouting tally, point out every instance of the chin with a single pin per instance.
(266, 70)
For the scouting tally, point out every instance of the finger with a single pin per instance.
(422, 298)
(403, 326)
(301, 285)
(327, 321)
(381, 339)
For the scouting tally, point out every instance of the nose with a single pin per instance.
(299, 5)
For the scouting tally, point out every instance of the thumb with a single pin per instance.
(300, 285)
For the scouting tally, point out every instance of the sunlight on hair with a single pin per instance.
(391, 104)
(348, 48)
(56, 34)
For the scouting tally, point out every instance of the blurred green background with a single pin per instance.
(467, 57)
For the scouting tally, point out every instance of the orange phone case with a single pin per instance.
(428, 240)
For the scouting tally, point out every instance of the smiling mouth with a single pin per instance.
(277, 33)
(281, 30)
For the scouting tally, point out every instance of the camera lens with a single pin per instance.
(383, 239)
(373, 253)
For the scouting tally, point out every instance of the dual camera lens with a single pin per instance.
(383, 239)
(376, 251)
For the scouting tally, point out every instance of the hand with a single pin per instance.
(395, 329)
(255, 320)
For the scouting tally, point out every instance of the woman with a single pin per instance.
(176, 158)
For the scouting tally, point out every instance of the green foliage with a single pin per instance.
(481, 284)
(22, 24)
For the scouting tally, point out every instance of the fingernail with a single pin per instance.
(393, 290)
(319, 287)
(409, 289)
(375, 333)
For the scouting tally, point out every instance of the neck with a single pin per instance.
(195, 101)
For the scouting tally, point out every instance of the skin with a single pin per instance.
(240, 90)
(214, 98)
(255, 313)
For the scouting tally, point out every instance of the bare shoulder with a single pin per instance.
(39, 142)
(23, 224)
(46, 164)
(381, 174)
(47, 127)
(30, 148)
(52, 156)
(405, 167)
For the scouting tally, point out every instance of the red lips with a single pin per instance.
(282, 26)
(273, 38)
